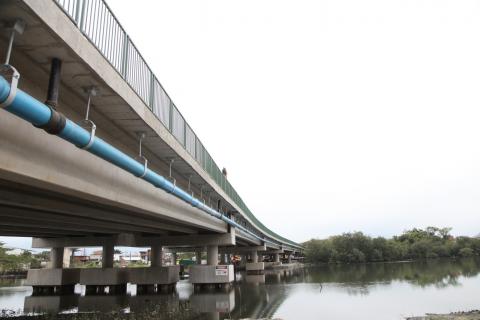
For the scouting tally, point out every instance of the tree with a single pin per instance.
(355, 247)
(466, 252)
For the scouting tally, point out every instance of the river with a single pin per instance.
(369, 291)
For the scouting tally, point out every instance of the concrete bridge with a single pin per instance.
(94, 152)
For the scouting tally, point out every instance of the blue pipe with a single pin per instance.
(28, 108)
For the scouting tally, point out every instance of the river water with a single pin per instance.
(370, 291)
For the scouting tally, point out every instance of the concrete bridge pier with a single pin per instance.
(212, 255)
(56, 257)
(157, 278)
(55, 279)
(107, 256)
(156, 256)
(198, 256)
(276, 258)
(211, 276)
(256, 266)
(106, 279)
(223, 258)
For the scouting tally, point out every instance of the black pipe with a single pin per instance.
(57, 120)
(54, 83)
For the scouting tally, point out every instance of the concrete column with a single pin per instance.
(156, 256)
(254, 256)
(174, 258)
(107, 256)
(67, 257)
(212, 255)
(213, 315)
(260, 257)
(277, 257)
(289, 258)
(56, 257)
(198, 256)
(223, 258)
(244, 259)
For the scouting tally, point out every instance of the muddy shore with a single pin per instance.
(468, 315)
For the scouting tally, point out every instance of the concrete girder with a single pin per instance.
(55, 222)
(224, 239)
(53, 227)
(273, 252)
(42, 172)
(248, 238)
(21, 197)
(26, 233)
(185, 249)
(241, 250)
(33, 231)
(273, 246)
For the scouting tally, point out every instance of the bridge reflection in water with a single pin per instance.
(252, 296)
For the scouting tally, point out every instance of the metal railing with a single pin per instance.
(97, 22)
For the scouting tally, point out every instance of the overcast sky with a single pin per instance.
(330, 116)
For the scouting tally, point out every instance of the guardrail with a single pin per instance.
(98, 23)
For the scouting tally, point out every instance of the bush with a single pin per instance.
(466, 252)
(355, 247)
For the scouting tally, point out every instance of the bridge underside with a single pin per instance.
(118, 111)
(32, 212)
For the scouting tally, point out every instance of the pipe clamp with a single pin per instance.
(13, 85)
(93, 128)
(145, 166)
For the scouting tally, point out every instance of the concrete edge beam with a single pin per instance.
(123, 239)
(255, 266)
(52, 277)
(130, 240)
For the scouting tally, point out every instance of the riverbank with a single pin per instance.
(17, 274)
(468, 315)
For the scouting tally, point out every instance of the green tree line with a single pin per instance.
(356, 247)
(17, 263)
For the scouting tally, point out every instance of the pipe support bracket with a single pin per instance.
(145, 165)
(13, 85)
(93, 128)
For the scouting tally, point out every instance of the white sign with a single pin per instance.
(221, 270)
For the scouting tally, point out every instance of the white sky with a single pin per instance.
(330, 116)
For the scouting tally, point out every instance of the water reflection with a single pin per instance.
(438, 273)
(262, 296)
(50, 304)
